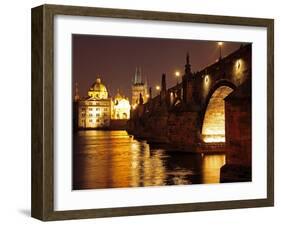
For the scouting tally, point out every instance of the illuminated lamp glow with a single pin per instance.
(177, 73)
(238, 64)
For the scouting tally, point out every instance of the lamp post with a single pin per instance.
(147, 97)
(157, 88)
(220, 46)
(177, 74)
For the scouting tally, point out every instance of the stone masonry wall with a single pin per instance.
(238, 132)
(183, 130)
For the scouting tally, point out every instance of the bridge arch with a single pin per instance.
(212, 123)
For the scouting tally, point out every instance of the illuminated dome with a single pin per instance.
(98, 90)
(118, 96)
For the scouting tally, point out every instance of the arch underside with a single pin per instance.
(213, 129)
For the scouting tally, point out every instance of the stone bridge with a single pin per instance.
(208, 111)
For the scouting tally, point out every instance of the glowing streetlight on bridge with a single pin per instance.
(157, 87)
(177, 74)
(220, 44)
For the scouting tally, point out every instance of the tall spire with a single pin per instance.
(187, 57)
(76, 96)
(163, 83)
(137, 77)
(140, 78)
(141, 99)
(150, 92)
(146, 81)
(187, 65)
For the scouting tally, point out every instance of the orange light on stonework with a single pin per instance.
(206, 79)
(213, 129)
(220, 44)
(134, 106)
(238, 64)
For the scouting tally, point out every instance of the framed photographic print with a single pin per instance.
(141, 112)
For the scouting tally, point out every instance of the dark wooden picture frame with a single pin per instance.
(42, 203)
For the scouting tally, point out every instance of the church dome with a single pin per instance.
(98, 90)
(118, 96)
(98, 86)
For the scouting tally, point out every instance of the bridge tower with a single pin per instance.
(187, 82)
(139, 87)
(163, 89)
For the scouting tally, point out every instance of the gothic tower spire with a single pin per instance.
(76, 96)
(187, 65)
(137, 77)
(139, 87)
(141, 99)
(163, 83)
(140, 77)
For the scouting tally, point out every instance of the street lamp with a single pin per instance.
(157, 88)
(177, 74)
(220, 46)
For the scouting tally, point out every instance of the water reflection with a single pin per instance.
(112, 159)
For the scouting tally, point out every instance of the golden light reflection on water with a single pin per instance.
(211, 168)
(112, 159)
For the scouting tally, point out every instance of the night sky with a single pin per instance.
(115, 60)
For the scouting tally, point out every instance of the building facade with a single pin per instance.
(139, 89)
(95, 110)
(98, 110)
(120, 107)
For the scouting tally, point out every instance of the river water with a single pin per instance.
(113, 159)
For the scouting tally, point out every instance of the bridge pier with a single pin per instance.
(183, 130)
(238, 136)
